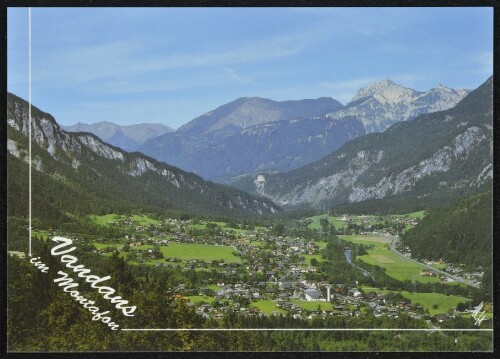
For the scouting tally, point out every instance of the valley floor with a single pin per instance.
(318, 272)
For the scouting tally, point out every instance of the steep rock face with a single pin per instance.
(448, 151)
(382, 104)
(88, 162)
(441, 161)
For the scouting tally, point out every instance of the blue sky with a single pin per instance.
(169, 65)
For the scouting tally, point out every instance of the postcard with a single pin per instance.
(250, 179)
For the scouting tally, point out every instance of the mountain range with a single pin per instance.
(294, 154)
(79, 173)
(439, 156)
(252, 135)
(382, 104)
(128, 137)
(250, 111)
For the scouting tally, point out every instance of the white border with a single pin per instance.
(29, 125)
(311, 329)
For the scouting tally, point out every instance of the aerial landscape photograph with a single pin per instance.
(249, 179)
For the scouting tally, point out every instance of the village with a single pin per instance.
(446, 272)
(252, 271)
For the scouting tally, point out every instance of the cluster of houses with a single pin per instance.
(473, 277)
(345, 300)
(279, 262)
(368, 223)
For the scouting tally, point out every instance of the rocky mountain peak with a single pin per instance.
(250, 111)
(419, 161)
(383, 103)
(384, 89)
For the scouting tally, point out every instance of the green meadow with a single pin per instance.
(308, 257)
(138, 219)
(377, 241)
(183, 252)
(207, 253)
(267, 306)
(442, 302)
(200, 298)
(395, 266)
(417, 215)
(320, 244)
(332, 220)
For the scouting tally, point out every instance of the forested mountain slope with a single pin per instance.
(77, 173)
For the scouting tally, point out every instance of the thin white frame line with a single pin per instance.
(29, 126)
(312, 329)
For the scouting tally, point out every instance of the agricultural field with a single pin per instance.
(144, 220)
(336, 221)
(104, 219)
(395, 266)
(431, 300)
(200, 298)
(377, 241)
(207, 253)
(436, 303)
(136, 218)
(267, 306)
(182, 252)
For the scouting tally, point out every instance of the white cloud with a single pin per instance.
(160, 85)
(125, 59)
